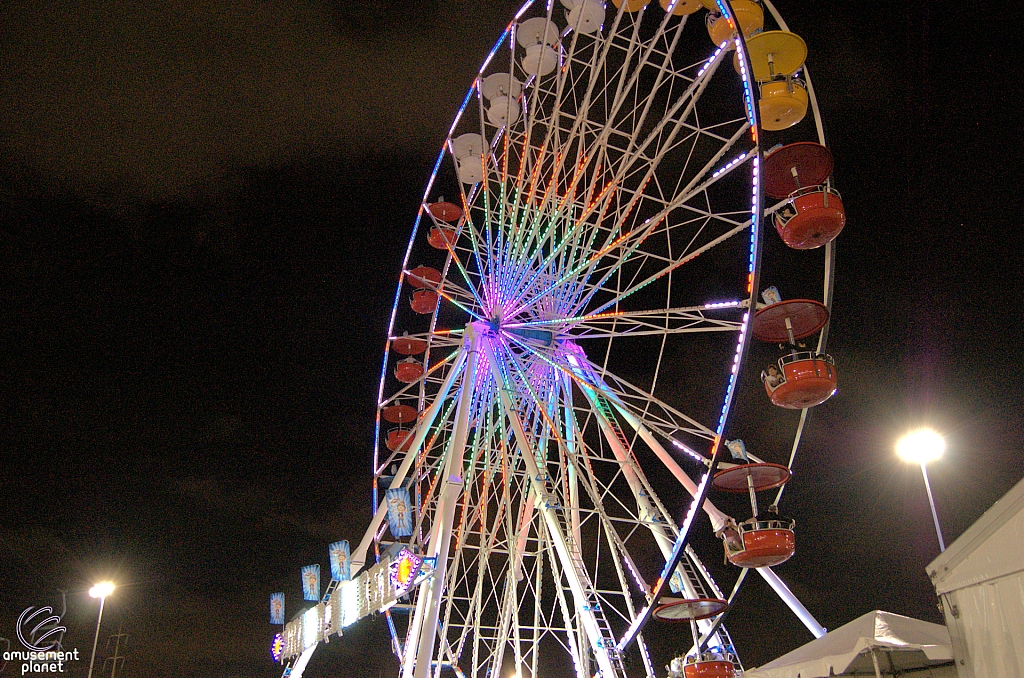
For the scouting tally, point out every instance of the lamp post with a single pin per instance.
(920, 447)
(101, 591)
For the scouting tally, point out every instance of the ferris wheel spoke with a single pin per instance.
(636, 237)
(646, 512)
(665, 419)
(656, 414)
(687, 256)
(685, 316)
(634, 150)
(644, 323)
(648, 163)
(578, 120)
(629, 517)
(690, 573)
(576, 575)
(666, 270)
(590, 266)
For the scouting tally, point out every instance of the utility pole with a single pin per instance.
(118, 638)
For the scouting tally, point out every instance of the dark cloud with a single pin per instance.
(160, 99)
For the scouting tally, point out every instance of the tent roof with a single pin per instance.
(993, 537)
(838, 650)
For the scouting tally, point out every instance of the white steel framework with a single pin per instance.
(581, 363)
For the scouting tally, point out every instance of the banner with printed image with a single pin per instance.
(276, 608)
(311, 582)
(399, 512)
(340, 557)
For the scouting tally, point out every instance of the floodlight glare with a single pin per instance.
(921, 446)
(102, 590)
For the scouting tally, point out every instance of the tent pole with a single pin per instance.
(874, 659)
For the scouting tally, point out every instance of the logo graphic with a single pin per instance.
(45, 633)
(277, 647)
(404, 571)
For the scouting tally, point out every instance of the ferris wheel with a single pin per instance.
(568, 331)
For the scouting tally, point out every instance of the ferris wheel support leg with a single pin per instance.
(816, 629)
(441, 537)
(525, 521)
(422, 428)
(300, 664)
(664, 538)
(718, 519)
(627, 466)
(575, 578)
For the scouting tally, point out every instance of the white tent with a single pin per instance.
(877, 643)
(980, 579)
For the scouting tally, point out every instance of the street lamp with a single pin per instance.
(920, 447)
(101, 591)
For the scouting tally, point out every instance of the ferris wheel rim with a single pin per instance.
(425, 212)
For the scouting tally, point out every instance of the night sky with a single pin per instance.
(203, 211)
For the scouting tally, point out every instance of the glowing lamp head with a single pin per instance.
(921, 446)
(102, 590)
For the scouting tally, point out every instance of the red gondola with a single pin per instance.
(801, 317)
(710, 669)
(794, 166)
(399, 439)
(815, 217)
(424, 301)
(424, 276)
(744, 477)
(448, 212)
(399, 414)
(441, 237)
(761, 542)
(405, 345)
(409, 370)
(802, 379)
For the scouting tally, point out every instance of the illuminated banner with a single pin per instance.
(311, 582)
(399, 513)
(276, 608)
(738, 449)
(340, 566)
